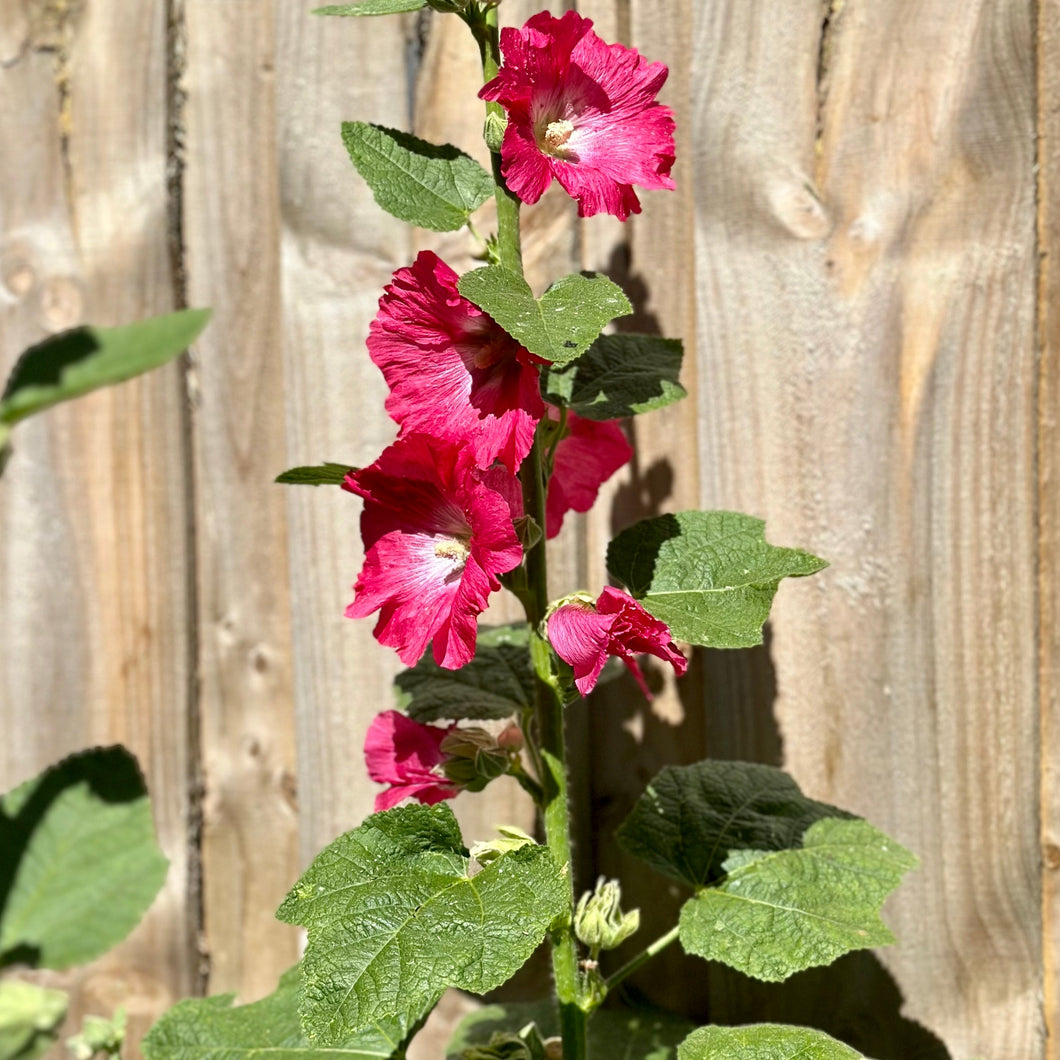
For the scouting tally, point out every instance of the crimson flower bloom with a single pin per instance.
(589, 453)
(582, 111)
(435, 537)
(408, 756)
(453, 372)
(585, 634)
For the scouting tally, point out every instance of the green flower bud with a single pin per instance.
(599, 921)
(474, 756)
(493, 130)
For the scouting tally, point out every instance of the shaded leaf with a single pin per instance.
(394, 917)
(763, 1041)
(372, 7)
(80, 864)
(691, 817)
(213, 1028)
(562, 324)
(641, 1034)
(327, 474)
(497, 683)
(782, 912)
(30, 1017)
(618, 376)
(431, 185)
(710, 576)
(71, 364)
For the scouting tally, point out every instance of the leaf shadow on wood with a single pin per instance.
(113, 776)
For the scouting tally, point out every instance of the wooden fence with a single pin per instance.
(860, 259)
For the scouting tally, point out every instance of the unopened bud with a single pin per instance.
(512, 838)
(493, 130)
(474, 758)
(528, 530)
(599, 921)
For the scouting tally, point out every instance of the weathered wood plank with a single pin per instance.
(232, 237)
(867, 383)
(93, 520)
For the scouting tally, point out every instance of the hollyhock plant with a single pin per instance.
(408, 756)
(585, 633)
(452, 372)
(583, 112)
(435, 538)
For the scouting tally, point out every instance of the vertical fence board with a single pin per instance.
(868, 375)
(232, 236)
(93, 519)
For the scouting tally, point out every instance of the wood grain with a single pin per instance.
(93, 513)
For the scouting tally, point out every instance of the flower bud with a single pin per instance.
(599, 921)
(512, 838)
(493, 130)
(474, 758)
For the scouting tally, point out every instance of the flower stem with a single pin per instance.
(642, 958)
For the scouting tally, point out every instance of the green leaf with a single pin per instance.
(326, 474)
(394, 918)
(691, 817)
(30, 1017)
(80, 863)
(642, 1034)
(710, 576)
(619, 375)
(75, 362)
(560, 326)
(430, 185)
(212, 1029)
(372, 7)
(763, 1041)
(497, 683)
(99, 1035)
(782, 912)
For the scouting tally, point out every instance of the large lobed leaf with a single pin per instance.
(30, 1018)
(641, 1034)
(619, 375)
(691, 817)
(431, 185)
(780, 912)
(710, 576)
(80, 863)
(394, 917)
(562, 324)
(763, 1041)
(71, 364)
(497, 683)
(213, 1029)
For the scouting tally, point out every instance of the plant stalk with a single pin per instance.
(642, 958)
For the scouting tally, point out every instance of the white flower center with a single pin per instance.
(455, 549)
(557, 133)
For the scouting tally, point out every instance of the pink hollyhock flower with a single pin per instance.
(408, 756)
(584, 635)
(589, 453)
(435, 537)
(453, 373)
(583, 112)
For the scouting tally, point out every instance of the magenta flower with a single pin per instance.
(584, 635)
(435, 537)
(408, 756)
(589, 453)
(583, 112)
(453, 373)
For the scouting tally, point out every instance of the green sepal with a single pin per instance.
(271, 1028)
(710, 576)
(81, 862)
(763, 1041)
(619, 375)
(562, 324)
(394, 917)
(692, 817)
(497, 683)
(435, 186)
(327, 474)
(75, 362)
(780, 912)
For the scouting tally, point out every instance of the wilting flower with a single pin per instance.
(408, 756)
(588, 454)
(452, 371)
(582, 111)
(435, 539)
(584, 634)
